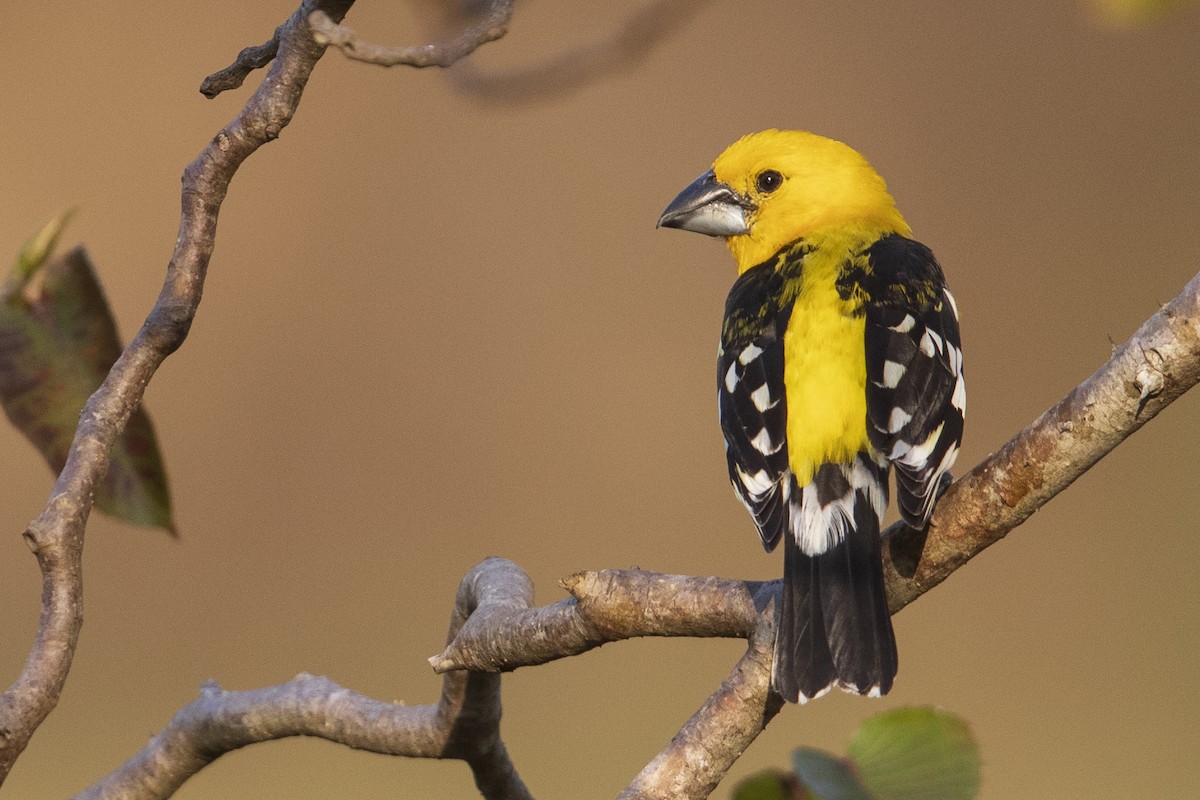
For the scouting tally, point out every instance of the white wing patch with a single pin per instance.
(762, 443)
(762, 398)
(898, 419)
(731, 378)
(749, 353)
(756, 485)
(892, 373)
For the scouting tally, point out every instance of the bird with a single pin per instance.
(839, 358)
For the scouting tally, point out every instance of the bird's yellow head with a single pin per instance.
(772, 188)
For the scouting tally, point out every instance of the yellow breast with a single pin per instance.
(825, 367)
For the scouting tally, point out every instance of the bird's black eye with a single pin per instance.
(768, 181)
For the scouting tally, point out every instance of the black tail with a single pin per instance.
(834, 627)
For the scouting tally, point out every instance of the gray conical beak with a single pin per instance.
(707, 206)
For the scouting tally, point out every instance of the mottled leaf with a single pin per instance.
(58, 340)
(827, 777)
(916, 754)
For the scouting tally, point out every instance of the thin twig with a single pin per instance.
(582, 65)
(220, 721)
(490, 27)
(250, 59)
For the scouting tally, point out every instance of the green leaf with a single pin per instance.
(37, 248)
(916, 754)
(1134, 13)
(827, 777)
(58, 341)
(770, 785)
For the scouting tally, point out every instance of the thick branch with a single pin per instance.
(464, 724)
(606, 606)
(56, 536)
(697, 758)
(490, 27)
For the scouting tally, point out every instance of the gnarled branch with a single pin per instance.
(605, 606)
(464, 723)
(56, 536)
(494, 628)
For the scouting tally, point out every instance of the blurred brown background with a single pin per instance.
(439, 327)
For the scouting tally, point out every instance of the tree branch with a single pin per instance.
(464, 724)
(490, 27)
(56, 536)
(697, 758)
(605, 606)
(494, 628)
(1157, 365)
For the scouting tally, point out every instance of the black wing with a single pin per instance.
(751, 399)
(916, 394)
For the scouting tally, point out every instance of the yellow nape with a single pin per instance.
(827, 188)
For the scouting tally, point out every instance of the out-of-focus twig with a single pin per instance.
(491, 25)
(582, 64)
